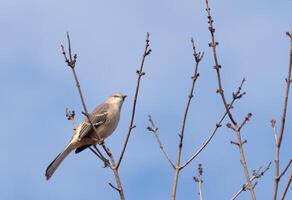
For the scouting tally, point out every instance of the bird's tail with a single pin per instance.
(57, 161)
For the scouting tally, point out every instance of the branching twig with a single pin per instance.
(256, 175)
(71, 62)
(278, 139)
(152, 128)
(213, 44)
(198, 57)
(199, 180)
(237, 95)
(140, 73)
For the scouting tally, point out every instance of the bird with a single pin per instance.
(105, 119)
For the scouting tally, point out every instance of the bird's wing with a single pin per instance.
(98, 117)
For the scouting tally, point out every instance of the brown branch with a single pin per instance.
(217, 66)
(71, 62)
(206, 142)
(198, 57)
(237, 95)
(115, 171)
(256, 175)
(140, 73)
(287, 187)
(278, 139)
(199, 180)
(152, 128)
(213, 44)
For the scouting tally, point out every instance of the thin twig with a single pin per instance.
(71, 62)
(278, 139)
(152, 128)
(237, 95)
(206, 142)
(140, 73)
(286, 168)
(257, 174)
(199, 180)
(213, 44)
(286, 188)
(114, 187)
(198, 57)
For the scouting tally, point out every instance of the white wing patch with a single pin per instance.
(85, 127)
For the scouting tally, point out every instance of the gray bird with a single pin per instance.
(104, 117)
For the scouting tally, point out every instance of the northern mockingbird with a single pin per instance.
(104, 117)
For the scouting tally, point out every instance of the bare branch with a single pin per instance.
(114, 187)
(206, 142)
(287, 186)
(237, 95)
(213, 44)
(256, 175)
(279, 138)
(217, 66)
(71, 62)
(152, 128)
(140, 73)
(198, 57)
(286, 168)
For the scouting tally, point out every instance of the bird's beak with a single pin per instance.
(124, 97)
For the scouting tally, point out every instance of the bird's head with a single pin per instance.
(117, 98)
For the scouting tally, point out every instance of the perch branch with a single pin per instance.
(71, 62)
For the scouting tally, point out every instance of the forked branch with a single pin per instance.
(279, 137)
(213, 44)
(237, 95)
(256, 175)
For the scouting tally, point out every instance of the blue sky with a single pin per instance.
(108, 36)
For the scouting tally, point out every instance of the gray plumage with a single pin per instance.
(104, 117)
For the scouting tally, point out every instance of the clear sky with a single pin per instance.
(108, 36)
